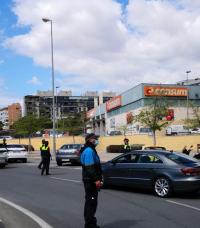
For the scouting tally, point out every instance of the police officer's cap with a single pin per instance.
(91, 136)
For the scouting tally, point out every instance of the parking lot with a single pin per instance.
(58, 200)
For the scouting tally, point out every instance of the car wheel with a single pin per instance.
(59, 163)
(2, 166)
(24, 160)
(162, 187)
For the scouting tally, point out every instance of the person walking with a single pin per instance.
(41, 148)
(46, 156)
(92, 178)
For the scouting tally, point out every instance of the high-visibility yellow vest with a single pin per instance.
(43, 147)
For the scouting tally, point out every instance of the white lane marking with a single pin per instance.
(28, 213)
(184, 205)
(62, 179)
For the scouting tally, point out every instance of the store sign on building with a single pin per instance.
(113, 103)
(90, 114)
(165, 91)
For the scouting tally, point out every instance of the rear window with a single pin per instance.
(71, 146)
(180, 159)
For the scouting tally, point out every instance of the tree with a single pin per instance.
(28, 125)
(123, 129)
(74, 124)
(195, 121)
(153, 116)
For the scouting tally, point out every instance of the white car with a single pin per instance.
(195, 131)
(16, 152)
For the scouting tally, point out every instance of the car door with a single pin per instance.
(143, 171)
(119, 170)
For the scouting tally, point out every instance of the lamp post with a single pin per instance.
(52, 72)
(57, 87)
(187, 72)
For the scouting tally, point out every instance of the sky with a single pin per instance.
(99, 45)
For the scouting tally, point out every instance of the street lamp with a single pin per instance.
(52, 72)
(57, 87)
(187, 72)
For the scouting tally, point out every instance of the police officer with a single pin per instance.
(41, 147)
(126, 147)
(46, 156)
(92, 179)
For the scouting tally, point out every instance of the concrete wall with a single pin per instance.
(175, 143)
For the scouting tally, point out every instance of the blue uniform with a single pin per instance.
(89, 157)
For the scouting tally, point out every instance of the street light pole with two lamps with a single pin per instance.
(53, 90)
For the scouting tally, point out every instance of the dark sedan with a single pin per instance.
(161, 171)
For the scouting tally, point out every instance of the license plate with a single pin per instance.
(65, 160)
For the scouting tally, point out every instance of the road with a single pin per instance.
(57, 200)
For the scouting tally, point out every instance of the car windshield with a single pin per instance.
(180, 159)
(70, 146)
(15, 146)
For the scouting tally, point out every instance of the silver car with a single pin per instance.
(16, 152)
(68, 153)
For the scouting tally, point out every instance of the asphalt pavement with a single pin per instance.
(58, 201)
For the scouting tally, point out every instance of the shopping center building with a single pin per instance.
(118, 111)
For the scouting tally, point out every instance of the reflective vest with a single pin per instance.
(43, 147)
(127, 147)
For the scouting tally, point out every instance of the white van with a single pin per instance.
(177, 130)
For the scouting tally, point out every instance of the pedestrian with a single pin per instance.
(92, 178)
(126, 147)
(46, 156)
(41, 147)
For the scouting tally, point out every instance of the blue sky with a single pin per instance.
(99, 45)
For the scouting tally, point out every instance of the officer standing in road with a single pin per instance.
(126, 147)
(41, 148)
(92, 179)
(46, 156)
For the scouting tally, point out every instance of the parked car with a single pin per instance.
(145, 131)
(177, 130)
(195, 131)
(161, 171)
(7, 137)
(3, 156)
(68, 153)
(16, 152)
(112, 133)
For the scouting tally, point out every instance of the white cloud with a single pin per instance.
(157, 41)
(34, 81)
